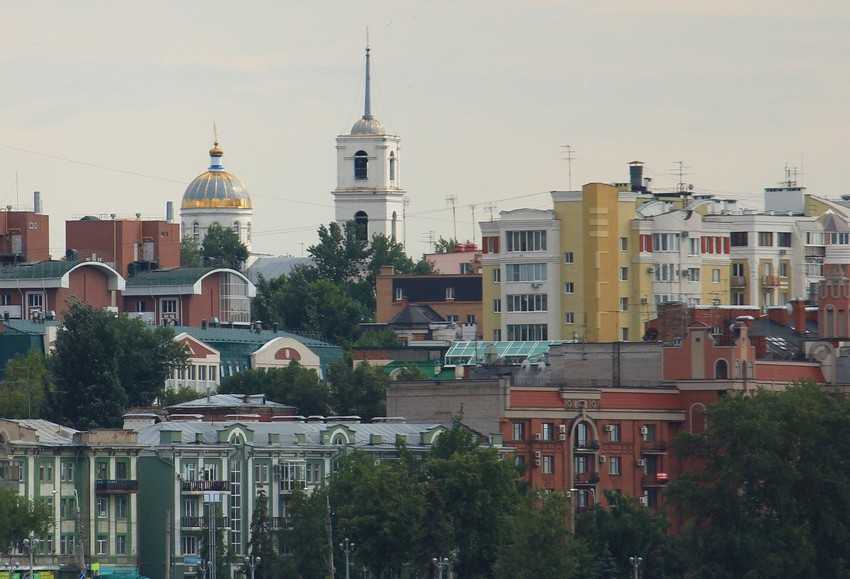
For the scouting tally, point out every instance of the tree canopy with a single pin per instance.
(222, 248)
(294, 385)
(19, 516)
(771, 496)
(190, 252)
(104, 362)
(28, 379)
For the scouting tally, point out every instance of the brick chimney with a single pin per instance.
(798, 315)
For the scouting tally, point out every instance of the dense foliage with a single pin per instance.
(222, 248)
(28, 379)
(19, 516)
(294, 385)
(104, 363)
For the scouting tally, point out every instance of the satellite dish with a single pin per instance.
(651, 335)
(525, 364)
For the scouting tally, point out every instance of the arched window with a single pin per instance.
(721, 370)
(581, 435)
(361, 165)
(752, 374)
(744, 370)
(737, 368)
(392, 166)
(236, 229)
(361, 223)
(394, 224)
(340, 440)
(829, 321)
(196, 230)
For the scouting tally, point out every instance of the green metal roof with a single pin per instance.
(39, 270)
(472, 353)
(168, 277)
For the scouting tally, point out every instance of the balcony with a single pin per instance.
(738, 281)
(770, 281)
(586, 446)
(653, 447)
(587, 478)
(658, 479)
(287, 486)
(281, 523)
(116, 486)
(205, 486)
(191, 523)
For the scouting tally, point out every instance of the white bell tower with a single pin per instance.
(368, 186)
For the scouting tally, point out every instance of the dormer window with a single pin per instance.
(361, 165)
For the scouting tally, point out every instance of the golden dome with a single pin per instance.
(216, 189)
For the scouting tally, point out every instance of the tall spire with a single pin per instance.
(367, 112)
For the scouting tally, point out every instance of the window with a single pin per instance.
(121, 544)
(6, 300)
(738, 239)
(525, 241)
(361, 226)
(765, 239)
(236, 229)
(261, 473)
(190, 470)
(121, 507)
(546, 430)
(715, 276)
(196, 230)
(624, 304)
(490, 244)
(648, 432)
(121, 470)
(737, 270)
(624, 274)
(738, 299)
(665, 242)
(66, 544)
(581, 435)
(101, 544)
(693, 246)
(45, 472)
(624, 244)
(497, 334)
(465, 268)
(361, 165)
(169, 306)
(613, 432)
(102, 472)
(568, 257)
(392, 166)
(497, 275)
(528, 303)
(497, 305)
(569, 288)
(548, 464)
(470, 319)
(190, 544)
(666, 272)
(450, 293)
(528, 332)
(581, 464)
(102, 507)
(692, 274)
(783, 269)
(35, 303)
(624, 334)
(399, 294)
(569, 318)
(614, 466)
(453, 318)
(519, 431)
(783, 239)
(526, 272)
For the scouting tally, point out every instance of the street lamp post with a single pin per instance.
(205, 567)
(577, 492)
(12, 567)
(30, 544)
(635, 561)
(80, 539)
(252, 563)
(441, 564)
(347, 548)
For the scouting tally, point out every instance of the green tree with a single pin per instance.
(28, 379)
(479, 492)
(409, 373)
(190, 252)
(378, 338)
(359, 391)
(339, 256)
(294, 385)
(384, 251)
(377, 505)
(19, 516)
(222, 248)
(540, 543)
(183, 394)
(261, 544)
(220, 554)
(103, 362)
(307, 538)
(444, 245)
(622, 530)
(767, 490)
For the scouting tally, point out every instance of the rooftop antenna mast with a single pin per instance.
(790, 176)
(569, 159)
(490, 209)
(473, 222)
(452, 200)
(681, 186)
(404, 203)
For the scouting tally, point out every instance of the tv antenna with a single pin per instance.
(490, 209)
(452, 200)
(681, 186)
(569, 159)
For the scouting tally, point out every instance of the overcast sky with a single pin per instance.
(108, 107)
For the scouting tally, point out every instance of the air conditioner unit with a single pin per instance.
(562, 428)
(643, 301)
(537, 462)
(650, 269)
(562, 437)
(602, 458)
(684, 235)
(641, 462)
(644, 430)
(642, 501)
(537, 454)
(537, 436)
(609, 428)
(569, 494)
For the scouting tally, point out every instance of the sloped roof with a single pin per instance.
(416, 314)
(229, 401)
(274, 267)
(171, 276)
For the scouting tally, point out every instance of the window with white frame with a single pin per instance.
(624, 244)
(614, 466)
(528, 332)
(569, 287)
(526, 272)
(613, 432)
(102, 507)
(234, 302)
(497, 334)
(693, 245)
(497, 275)
(663, 242)
(528, 303)
(450, 293)
(548, 464)
(190, 544)
(569, 318)
(101, 544)
(525, 240)
(624, 304)
(399, 294)
(547, 429)
(624, 274)
(568, 257)
(715, 276)
(497, 305)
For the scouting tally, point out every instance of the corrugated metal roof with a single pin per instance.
(229, 401)
(38, 270)
(168, 277)
(49, 433)
(274, 267)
